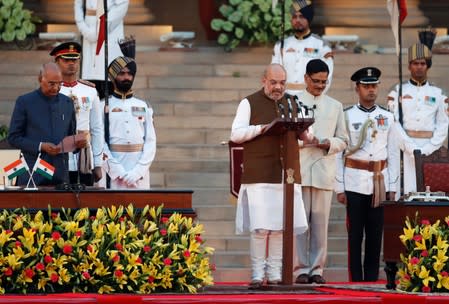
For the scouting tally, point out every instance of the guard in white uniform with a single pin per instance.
(302, 47)
(424, 115)
(366, 171)
(88, 115)
(132, 139)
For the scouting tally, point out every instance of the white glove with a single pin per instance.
(131, 178)
(91, 35)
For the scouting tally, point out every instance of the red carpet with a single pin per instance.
(339, 293)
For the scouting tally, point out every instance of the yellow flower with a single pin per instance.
(425, 276)
(443, 281)
(5, 237)
(105, 289)
(13, 261)
(81, 215)
(421, 245)
(409, 232)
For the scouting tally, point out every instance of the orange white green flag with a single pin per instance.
(44, 168)
(16, 168)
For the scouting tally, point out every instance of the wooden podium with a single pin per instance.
(289, 130)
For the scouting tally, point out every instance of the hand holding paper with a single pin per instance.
(72, 142)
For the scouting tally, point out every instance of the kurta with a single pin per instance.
(37, 118)
(424, 109)
(260, 205)
(93, 65)
(295, 56)
(130, 123)
(88, 119)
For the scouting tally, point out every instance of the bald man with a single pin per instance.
(40, 120)
(260, 201)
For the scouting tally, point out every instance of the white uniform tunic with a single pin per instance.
(379, 144)
(295, 56)
(93, 65)
(424, 109)
(88, 119)
(260, 205)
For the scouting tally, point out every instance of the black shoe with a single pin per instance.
(302, 279)
(316, 278)
(255, 284)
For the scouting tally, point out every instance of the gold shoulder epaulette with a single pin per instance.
(86, 82)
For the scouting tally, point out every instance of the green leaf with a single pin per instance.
(17, 13)
(234, 43)
(235, 2)
(8, 3)
(223, 38)
(5, 12)
(245, 7)
(228, 26)
(216, 24)
(29, 27)
(226, 10)
(8, 36)
(235, 17)
(239, 32)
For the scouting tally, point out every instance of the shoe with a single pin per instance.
(255, 284)
(316, 278)
(274, 282)
(302, 279)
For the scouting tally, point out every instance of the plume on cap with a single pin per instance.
(128, 47)
(427, 37)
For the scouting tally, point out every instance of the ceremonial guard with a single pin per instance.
(131, 147)
(85, 166)
(297, 50)
(366, 171)
(424, 117)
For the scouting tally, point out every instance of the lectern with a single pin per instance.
(289, 129)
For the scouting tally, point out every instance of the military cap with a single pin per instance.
(368, 75)
(303, 6)
(420, 51)
(67, 50)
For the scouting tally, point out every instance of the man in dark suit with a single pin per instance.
(40, 121)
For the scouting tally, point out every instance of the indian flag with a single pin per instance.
(43, 168)
(16, 168)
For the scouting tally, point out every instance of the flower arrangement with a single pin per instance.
(425, 263)
(117, 249)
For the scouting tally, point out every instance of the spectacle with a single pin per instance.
(318, 81)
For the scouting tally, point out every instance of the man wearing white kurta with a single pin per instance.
(260, 201)
(132, 139)
(318, 170)
(87, 22)
(85, 166)
(425, 120)
(301, 47)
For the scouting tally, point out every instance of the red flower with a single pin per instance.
(186, 254)
(425, 289)
(139, 260)
(92, 217)
(54, 277)
(79, 233)
(18, 244)
(67, 249)
(40, 266)
(8, 272)
(90, 248)
(406, 277)
(48, 259)
(167, 261)
(121, 219)
(424, 253)
(146, 248)
(414, 261)
(198, 238)
(417, 237)
(163, 231)
(150, 279)
(56, 235)
(86, 275)
(29, 273)
(444, 274)
(54, 215)
(212, 267)
(116, 258)
(8, 231)
(164, 219)
(119, 247)
(425, 222)
(118, 273)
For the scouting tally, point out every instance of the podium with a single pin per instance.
(290, 129)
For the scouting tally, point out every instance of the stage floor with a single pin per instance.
(341, 293)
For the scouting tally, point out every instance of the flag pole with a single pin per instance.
(106, 88)
(400, 112)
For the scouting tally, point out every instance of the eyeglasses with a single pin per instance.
(318, 81)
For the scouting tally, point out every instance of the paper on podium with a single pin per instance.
(68, 144)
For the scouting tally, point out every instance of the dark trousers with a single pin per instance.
(85, 179)
(363, 219)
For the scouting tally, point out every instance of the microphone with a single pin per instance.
(299, 105)
(290, 108)
(281, 110)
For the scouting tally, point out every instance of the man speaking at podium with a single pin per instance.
(260, 201)
(40, 121)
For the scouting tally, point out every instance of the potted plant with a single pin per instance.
(16, 22)
(251, 21)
